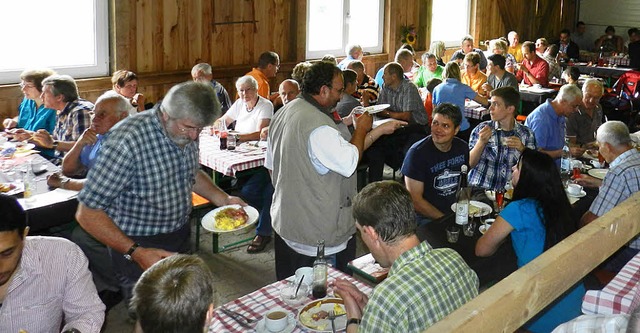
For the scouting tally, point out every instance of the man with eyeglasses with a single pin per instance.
(137, 197)
(268, 66)
(548, 122)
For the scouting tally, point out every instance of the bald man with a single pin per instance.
(288, 90)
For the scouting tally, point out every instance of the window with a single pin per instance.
(332, 24)
(450, 21)
(71, 37)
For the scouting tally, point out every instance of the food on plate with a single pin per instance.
(230, 218)
(23, 149)
(473, 210)
(8, 152)
(4, 188)
(317, 317)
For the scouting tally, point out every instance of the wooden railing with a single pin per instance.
(510, 303)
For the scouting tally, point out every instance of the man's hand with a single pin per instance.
(354, 299)
(21, 134)
(231, 200)
(588, 181)
(485, 134)
(514, 142)
(264, 132)
(523, 68)
(88, 137)
(391, 126)
(365, 122)
(43, 139)
(146, 257)
(9, 123)
(487, 88)
(137, 100)
(55, 180)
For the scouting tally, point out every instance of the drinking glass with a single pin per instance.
(452, 234)
(500, 199)
(469, 228)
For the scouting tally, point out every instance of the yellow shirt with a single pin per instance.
(516, 51)
(263, 82)
(475, 82)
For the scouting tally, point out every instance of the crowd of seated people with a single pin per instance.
(315, 145)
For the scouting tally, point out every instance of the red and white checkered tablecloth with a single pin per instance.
(256, 304)
(621, 295)
(229, 162)
(474, 110)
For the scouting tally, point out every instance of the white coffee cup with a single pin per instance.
(574, 189)
(276, 320)
(308, 275)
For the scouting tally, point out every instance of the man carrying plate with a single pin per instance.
(137, 197)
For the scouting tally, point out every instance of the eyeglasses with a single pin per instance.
(183, 129)
(26, 85)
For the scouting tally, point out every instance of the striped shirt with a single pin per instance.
(142, 179)
(424, 285)
(52, 284)
(73, 120)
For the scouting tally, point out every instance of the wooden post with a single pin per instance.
(514, 300)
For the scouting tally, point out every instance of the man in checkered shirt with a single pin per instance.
(137, 197)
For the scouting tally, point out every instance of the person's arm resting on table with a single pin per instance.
(422, 206)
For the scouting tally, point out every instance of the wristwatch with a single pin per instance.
(63, 183)
(130, 252)
(237, 137)
(355, 321)
(55, 144)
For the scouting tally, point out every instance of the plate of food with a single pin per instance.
(315, 315)
(598, 173)
(476, 207)
(229, 218)
(11, 189)
(373, 109)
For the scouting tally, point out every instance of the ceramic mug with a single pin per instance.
(574, 189)
(276, 320)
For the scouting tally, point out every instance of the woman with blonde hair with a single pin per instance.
(498, 46)
(437, 49)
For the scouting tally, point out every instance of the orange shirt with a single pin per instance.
(475, 82)
(263, 82)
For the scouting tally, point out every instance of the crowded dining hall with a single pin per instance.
(321, 166)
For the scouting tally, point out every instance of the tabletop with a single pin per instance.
(229, 162)
(474, 110)
(256, 304)
(621, 295)
(47, 207)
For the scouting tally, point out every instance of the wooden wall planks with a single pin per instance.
(162, 40)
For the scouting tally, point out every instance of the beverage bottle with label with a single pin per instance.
(565, 162)
(223, 134)
(320, 273)
(29, 182)
(463, 196)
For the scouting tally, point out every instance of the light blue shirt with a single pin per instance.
(548, 127)
(454, 92)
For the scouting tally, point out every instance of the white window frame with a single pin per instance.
(456, 42)
(345, 33)
(101, 59)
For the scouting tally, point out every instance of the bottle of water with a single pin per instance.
(29, 182)
(463, 196)
(565, 162)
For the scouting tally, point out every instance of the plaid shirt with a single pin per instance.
(424, 285)
(595, 323)
(405, 99)
(622, 181)
(142, 179)
(494, 167)
(73, 120)
(368, 85)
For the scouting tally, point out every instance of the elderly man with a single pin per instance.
(403, 57)
(432, 165)
(567, 49)
(548, 121)
(472, 76)
(534, 70)
(621, 182)
(368, 89)
(582, 125)
(288, 90)
(428, 70)
(496, 144)
(424, 284)
(60, 93)
(203, 73)
(137, 198)
(354, 52)
(164, 305)
(498, 77)
(313, 173)
(45, 285)
(467, 47)
(268, 65)
(515, 48)
(405, 104)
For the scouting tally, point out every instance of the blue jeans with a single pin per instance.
(258, 192)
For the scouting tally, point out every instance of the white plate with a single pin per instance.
(19, 188)
(291, 325)
(582, 194)
(377, 123)
(486, 209)
(327, 304)
(376, 108)
(598, 173)
(209, 222)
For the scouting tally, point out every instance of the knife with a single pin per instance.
(240, 320)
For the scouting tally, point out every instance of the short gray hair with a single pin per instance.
(63, 85)
(194, 101)
(614, 132)
(569, 93)
(247, 80)
(592, 82)
(352, 48)
(122, 104)
(202, 67)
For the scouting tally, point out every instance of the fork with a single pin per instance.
(332, 317)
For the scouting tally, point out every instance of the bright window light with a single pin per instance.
(450, 21)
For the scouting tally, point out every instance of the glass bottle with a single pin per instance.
(463, 196)
(565, 162)
(223, 134)
(320, 273)
(29, 182)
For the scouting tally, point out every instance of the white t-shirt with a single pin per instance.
(249, 121)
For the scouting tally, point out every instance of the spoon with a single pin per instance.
(298, 288)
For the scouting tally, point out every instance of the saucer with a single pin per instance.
(582, 194)
(261, 327)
